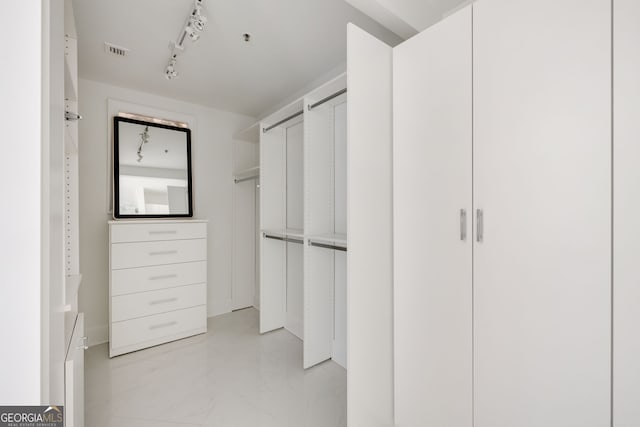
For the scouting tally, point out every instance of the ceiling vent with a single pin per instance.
(115, 50)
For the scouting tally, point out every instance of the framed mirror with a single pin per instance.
(152, 169)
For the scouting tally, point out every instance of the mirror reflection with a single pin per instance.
(152, 169)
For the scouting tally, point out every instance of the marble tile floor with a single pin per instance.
(229, 377)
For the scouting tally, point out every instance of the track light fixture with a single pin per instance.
(196, 23)
(170, 72)
(198, 20)
(192, 33)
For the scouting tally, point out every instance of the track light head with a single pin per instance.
(199, 21)
(192, 33)
(170, 72)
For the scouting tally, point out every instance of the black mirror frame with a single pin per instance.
(116, 169)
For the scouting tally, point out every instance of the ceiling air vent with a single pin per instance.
(115, 50)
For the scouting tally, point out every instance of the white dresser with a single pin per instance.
(157, 282)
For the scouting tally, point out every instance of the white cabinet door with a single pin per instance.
(542, 178)
(74, 377)
(626, 344)
(369, 224)
(432, 209)
(295, 220)
(273, 208)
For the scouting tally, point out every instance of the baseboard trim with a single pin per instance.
(219, 307)
(97, 335)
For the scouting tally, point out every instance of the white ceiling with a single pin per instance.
(294, 42)
(421, 14)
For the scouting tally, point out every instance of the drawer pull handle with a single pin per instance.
(162, 232)
(163, 253)
(166, 276)
(163, 325)
(163, 301)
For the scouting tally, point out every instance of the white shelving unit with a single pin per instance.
(303, 268)
(282, 220)
(325, 261)
(75, 339)
(246, 174)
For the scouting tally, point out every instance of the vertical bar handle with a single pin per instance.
(479, 225)
(463, 224)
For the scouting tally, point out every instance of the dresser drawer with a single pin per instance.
(147, 232)
(125, 307)
(142, 279)
(143, 254)
(135, 334)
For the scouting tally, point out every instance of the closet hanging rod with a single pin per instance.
(326, 246)
(248, 178)
(327, 99)
(284, 239)
(286, 119)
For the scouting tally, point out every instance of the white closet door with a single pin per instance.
(319, 219)
(295, 263)
(542, 178)
(626, 304)
(369, 223)
(273, 253)
(339, 351)
(433, 258)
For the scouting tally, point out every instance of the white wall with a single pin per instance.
(20, 175)
(212, 163)
(245, 230)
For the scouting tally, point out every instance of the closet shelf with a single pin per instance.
(328, 90)
(337, 239)
(250, 134)
(286, 117)
(295, 233)
(246, 174)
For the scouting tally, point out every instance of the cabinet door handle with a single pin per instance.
(163, 301)
(162, 232)
(463, 224)
(166, 276)
(479, 225)
(163, 325)
(163, 253)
